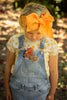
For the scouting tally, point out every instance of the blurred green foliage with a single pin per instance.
(56, 7)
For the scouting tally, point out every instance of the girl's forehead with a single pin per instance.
(34, 31)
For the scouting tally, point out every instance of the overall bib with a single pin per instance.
(29, 80)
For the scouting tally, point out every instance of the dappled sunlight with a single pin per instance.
(62, 23)
(10, 23)
(60, 34)
(2, 39)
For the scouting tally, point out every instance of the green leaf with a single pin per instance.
(16, 4)
(65, 68)
(57, 8)
(60, 64)
(58, 15)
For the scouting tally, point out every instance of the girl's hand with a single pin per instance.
(8, 94)
(50, 97)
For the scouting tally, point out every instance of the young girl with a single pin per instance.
(31, 71)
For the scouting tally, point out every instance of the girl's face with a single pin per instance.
(33, 35)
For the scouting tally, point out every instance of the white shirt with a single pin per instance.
(50, 48)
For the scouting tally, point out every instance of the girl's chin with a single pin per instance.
(33, 40)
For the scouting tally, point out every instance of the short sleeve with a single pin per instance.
(54, 47)
(10, 45)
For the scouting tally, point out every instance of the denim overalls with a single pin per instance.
(29, 80)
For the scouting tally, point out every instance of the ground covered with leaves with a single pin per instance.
(9, 26)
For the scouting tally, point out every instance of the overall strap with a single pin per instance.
(21, 40)
(42, 42)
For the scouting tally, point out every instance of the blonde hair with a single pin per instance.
(32, 8)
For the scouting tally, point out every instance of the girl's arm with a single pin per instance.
(9, 62)
(53, 68)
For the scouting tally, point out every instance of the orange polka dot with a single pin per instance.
(47, 74)
(28, 45)
(51, 40)
(26, 41)
(48, 44)
(16, 43)
(50, 49)
(55, 43)
(38, 44)
(44, 47)
(53, 51)
(46, 57)
(12, 46)
(46, 70)
(13, 40)
(54, 47)
(11, 49)
(23, 44)
(24, 49)
(9, 45)
(45, 51)
(33, 47)
(46, 60)
(41, 49)
(46, 41)
(46, 66)
(10, 41)
(51, 43)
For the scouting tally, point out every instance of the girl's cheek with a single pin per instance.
(39, 37)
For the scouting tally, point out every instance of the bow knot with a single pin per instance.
(42, 23)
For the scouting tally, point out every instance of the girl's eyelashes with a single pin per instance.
(36, 33)
(29, 33)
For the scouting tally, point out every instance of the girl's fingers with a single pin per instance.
(9, 97)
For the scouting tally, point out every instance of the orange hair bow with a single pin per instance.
(33, 22)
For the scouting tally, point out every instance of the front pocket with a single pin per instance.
(28, 61)
(44, 90)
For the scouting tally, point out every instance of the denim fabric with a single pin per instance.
(30, 94)
(29, 80)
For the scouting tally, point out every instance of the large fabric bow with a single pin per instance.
(43, 23)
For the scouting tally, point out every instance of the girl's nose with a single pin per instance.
(34, 36)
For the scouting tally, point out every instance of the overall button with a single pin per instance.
(41, 52)
(35, 87)
(22, 86)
